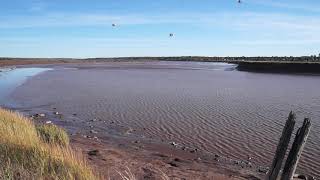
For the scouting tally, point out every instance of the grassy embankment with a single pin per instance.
(29, 151)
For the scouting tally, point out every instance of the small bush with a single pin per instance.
(53, 134)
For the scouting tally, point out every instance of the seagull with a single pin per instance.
(171, 34)
(113, 25)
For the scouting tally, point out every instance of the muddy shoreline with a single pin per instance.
(118, 144)
(265, 65)
(280, 67)
(117, 150)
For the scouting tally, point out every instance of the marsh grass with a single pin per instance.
(30, 152)
(53, 134)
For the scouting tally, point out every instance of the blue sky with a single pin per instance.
(83, 28)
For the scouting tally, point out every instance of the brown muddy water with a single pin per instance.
(209, 106)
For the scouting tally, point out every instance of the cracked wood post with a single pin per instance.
(282, 147)
(296, 150)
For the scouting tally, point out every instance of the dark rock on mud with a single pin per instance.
(93, 152)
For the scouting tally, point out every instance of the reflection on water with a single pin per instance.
(11, 78)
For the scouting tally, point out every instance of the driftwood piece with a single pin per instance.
(296, 150)
(282, 147)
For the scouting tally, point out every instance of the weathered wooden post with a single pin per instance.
(282, 147)
(296, 150)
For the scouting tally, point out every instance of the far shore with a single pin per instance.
(251, 64)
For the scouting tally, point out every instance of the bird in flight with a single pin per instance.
(239, 1)
(171, 34)
(113, 25)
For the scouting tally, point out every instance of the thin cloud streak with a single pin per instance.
(290, 5)
(245, 20)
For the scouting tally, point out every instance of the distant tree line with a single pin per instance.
(312, 58)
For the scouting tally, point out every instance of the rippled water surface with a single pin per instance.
(205, 105)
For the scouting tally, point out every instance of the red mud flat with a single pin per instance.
(48, 61)
(111, 160)
(114, 157)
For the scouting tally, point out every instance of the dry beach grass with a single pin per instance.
(30, 152)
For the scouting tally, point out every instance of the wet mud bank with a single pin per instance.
(279, 67)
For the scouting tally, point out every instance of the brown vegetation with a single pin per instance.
(24, 154)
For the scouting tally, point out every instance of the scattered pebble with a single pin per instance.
(85, 136)
(249, 164)
(93, 132)
(40, 115)
(174, 143)
(237, 162)
(194, 150)
(263, 170)
(173, 164)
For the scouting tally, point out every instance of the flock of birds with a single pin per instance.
(171, 34)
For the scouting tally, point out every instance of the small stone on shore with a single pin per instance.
(263, 170)
(173, 164)
(40, 115)
(93, 132)
(173, 143)
(194, 150)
